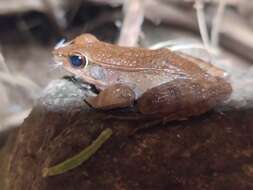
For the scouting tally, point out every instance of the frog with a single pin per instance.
(160, 83)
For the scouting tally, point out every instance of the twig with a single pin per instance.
(81, 157)
(3, 65)
(217, 23)
(131, 29)
(202, 23)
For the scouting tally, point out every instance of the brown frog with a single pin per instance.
(161, 83)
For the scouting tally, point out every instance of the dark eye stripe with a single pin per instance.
(77, 61)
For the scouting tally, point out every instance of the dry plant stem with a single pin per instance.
(3, 65)
(202, 23)
(81, 157)
(133, 19)
(217, 23)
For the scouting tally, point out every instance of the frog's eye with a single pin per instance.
(78, 61)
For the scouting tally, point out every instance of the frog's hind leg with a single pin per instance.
(182, 98)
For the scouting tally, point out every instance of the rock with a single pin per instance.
(212, 151)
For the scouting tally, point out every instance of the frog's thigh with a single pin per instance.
(116, 96)
(181, 98)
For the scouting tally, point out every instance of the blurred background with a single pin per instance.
(219, 31)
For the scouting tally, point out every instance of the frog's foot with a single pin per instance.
(81, 157)
(116, 96)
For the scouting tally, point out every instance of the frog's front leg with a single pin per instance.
(115, 96)
(182, 98)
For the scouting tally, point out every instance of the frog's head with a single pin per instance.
(75, 57)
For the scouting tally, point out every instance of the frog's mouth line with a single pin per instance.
(100, 85)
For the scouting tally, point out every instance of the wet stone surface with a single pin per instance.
(212, 151)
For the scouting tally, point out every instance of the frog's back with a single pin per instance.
(126, 57)
(134, 59)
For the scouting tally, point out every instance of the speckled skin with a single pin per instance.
(163, 83)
